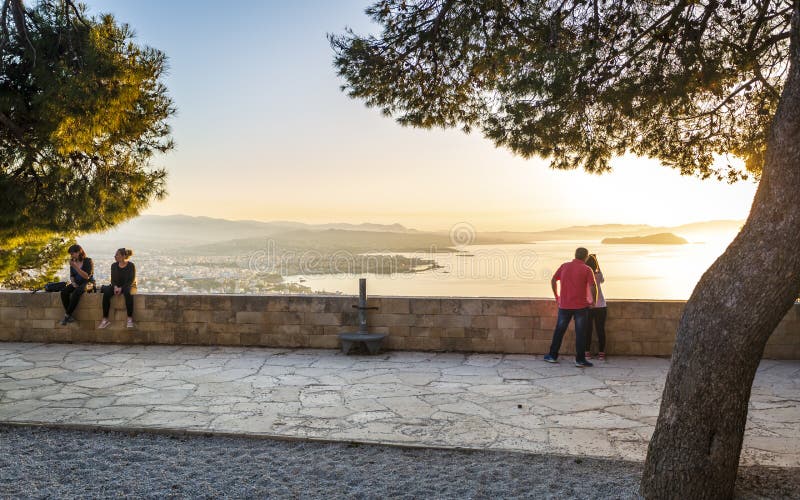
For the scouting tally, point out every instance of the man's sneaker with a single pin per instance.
(70, 319)
(64, 321)
(104, 324)
(130, 323)
(601, 356)
(550, 359)
(587, 355)
(583, 364)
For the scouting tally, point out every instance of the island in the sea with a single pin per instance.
(652, 239)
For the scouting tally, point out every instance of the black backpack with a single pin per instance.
(58, 286)
(55, 286)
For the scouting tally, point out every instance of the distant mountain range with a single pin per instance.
(181, 231)
(697, 231)
(209, 236)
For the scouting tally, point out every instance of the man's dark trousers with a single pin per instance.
(581, 325)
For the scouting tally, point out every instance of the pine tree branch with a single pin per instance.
(725, 101)
(77, 13)
(13, 127)
(18, 13)
(432, 33)
(4, 24)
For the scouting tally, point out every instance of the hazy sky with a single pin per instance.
(263, 132)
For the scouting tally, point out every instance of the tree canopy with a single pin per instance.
(83, 110)
(691, 83)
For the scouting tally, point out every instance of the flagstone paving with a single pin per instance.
(502, 402)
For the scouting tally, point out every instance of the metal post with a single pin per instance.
(371, 340)
(362, 305)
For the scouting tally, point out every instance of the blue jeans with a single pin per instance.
(581, 325)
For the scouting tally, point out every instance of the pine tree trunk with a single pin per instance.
(737, 304)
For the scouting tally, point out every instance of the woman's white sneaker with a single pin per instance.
(130, 323)
(104, 324)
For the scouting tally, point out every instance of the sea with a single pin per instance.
(663, 272)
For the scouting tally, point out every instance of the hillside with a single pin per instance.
(329, 241)
(651, 239)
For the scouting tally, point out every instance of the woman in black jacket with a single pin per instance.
(123, 282)
(81, 275)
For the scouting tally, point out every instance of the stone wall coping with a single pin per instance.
(370, 296)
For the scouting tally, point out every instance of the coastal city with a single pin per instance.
(256, 273)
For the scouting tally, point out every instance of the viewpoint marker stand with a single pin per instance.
(371, 340)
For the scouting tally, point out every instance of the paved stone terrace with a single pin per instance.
(504, 402)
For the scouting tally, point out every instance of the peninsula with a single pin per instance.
(652, 239)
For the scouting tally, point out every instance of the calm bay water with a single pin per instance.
(631, 271)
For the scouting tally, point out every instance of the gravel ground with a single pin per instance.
(58, 463)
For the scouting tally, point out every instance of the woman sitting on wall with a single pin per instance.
(81, 276)
(123, 282)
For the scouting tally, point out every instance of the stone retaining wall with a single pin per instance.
(413, 323)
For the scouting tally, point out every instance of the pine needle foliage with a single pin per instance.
(692, 83)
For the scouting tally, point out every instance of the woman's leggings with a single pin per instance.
(126, 291)
(597, 321)
(70, 296)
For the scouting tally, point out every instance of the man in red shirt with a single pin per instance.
(575, 278)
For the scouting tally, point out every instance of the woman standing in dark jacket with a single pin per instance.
(81, 275)
(123, 282)
(598, 313)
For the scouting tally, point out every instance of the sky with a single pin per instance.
(263, 132)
